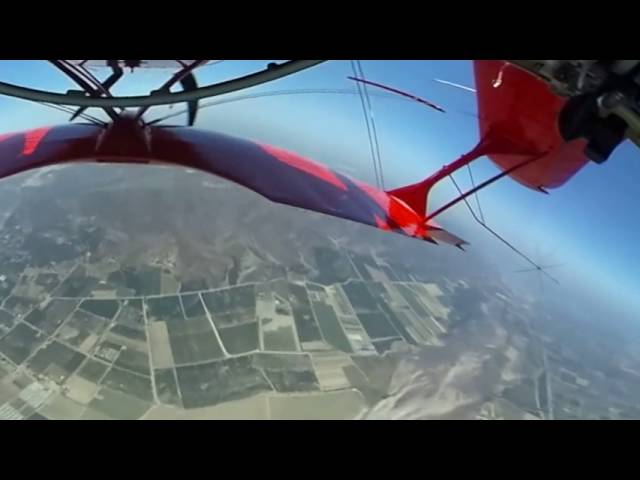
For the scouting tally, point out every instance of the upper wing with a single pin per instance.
(141, 64)
(277, 174)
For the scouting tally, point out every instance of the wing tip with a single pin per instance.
(445, 236)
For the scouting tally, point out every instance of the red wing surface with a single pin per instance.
(21, 151)
(287, 178)
(277, 174)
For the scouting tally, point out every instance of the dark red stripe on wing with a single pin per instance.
(22, 151)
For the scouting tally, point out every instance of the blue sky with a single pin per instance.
(590, 224)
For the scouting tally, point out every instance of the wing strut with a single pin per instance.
(86, 86)
(116, 74)
(88, 76)
(188, 82)
(486, 183)
(416, 195)
(473, 184)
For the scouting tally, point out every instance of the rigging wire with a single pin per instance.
(306, 91)
(366, 120)
(274, 93)
(476, 195)
(498, 236)
(89, 118)
(373, 123)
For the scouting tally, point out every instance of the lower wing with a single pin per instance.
(274, 173)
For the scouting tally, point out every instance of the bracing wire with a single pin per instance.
(476, 195)
(545, 267)
(497, 235)
(70, 110)
(373, 123)
(274, 93)
(366, 120)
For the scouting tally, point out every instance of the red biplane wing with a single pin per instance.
(277, 174)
